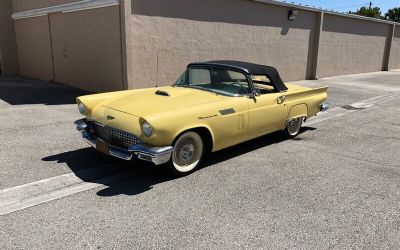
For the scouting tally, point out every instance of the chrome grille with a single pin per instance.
(119, 138)
(114, 136)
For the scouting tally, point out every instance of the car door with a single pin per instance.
(267, 113)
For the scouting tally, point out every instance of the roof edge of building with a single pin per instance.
(64, 8)
(308, 8)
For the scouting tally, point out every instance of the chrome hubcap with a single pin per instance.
(186, 152)
(294, 125)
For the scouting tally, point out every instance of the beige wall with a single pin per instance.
(160, 39)
(34, 48)
(164, 38)
(349, 45)
(24, 5)
(8, 47)
(87, 49)
(394, 61)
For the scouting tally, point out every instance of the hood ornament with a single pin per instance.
(109, 117)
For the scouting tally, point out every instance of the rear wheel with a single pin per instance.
(293, 127)
(187, 153)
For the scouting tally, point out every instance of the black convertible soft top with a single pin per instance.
(249, 68)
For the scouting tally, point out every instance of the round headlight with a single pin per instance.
(147, 129)
(82, 108)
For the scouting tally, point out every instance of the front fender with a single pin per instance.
(165, 132)
(198, 127)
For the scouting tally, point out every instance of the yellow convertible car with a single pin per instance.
(212, 106)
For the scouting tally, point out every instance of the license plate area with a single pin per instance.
(102, 146)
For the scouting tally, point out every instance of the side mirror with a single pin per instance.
(254, 94)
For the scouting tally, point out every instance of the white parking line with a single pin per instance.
(31, 194)
(330, 114)
(376, 100)
(365, 85)
(339, 111)
(34, 193)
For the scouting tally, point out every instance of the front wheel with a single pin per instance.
(293, 127)
(187, 153)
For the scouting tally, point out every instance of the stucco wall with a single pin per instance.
(87, 49)
(165, 36)
(394, 61)
(24, 5)
(8, 47)
(159, 38)
(34, 49)
(349, 45)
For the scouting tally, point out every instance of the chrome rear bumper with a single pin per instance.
(324, 107)
(157, 155)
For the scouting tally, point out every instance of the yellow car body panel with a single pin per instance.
(229, 120)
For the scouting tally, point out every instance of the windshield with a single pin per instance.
(217, 80)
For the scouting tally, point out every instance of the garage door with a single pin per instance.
(34, 47)
(80, 47)
(87, 48)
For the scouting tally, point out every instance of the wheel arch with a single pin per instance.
(205, 134)
(298, 110)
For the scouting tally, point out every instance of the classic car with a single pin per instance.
(213, 105)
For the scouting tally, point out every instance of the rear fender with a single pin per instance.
(297, 111)
(309, 100)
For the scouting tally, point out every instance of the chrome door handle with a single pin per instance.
(280, 99)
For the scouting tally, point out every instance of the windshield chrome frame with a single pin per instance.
(211, 67)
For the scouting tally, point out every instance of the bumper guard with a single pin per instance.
(157, 155)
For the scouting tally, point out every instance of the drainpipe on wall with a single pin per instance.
(318, 31)
(126, 45)
(388, 48)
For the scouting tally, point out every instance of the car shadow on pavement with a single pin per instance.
(133, 177)
(19, 91)
(251, 145)
(138, 176)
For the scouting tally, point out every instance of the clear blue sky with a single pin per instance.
(346, 5)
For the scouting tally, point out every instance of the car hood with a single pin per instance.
(148, 102)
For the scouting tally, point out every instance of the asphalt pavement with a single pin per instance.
(336, 185)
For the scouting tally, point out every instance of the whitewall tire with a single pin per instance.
(293, 126)
(187, 153)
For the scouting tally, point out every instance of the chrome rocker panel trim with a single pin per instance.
(157, 155)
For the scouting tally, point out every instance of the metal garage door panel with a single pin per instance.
(34, 49)
(87, 48)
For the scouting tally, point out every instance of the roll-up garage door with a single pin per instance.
(87, 48)
(80, 47)
(34, 47)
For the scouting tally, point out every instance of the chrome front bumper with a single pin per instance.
(157, 155)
